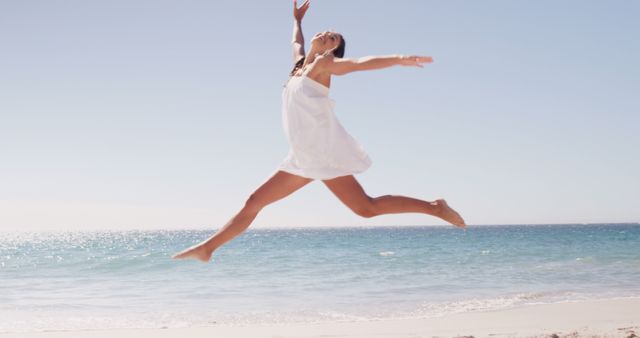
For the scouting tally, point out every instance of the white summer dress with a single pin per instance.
(320, 148)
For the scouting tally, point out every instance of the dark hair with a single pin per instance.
(338, 52)
(297, 65)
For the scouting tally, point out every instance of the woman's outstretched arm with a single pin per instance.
(338, 66)
(298, 40)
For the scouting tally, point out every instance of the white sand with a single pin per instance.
(606, 318)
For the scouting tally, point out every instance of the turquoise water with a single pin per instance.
(88, 280)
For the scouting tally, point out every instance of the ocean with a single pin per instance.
(105, 280)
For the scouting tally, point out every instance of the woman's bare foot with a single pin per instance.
(199, 252)
(449, 215)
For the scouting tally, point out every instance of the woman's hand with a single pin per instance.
(414, 60)
(298, 13)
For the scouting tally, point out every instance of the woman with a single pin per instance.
(320, 147)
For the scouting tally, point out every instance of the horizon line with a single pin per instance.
(311, 227)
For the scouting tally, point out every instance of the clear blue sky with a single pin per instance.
(166, 114)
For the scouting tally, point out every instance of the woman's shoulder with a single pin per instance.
(321, 65)
(322, 59)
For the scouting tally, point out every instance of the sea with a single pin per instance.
(126, 279)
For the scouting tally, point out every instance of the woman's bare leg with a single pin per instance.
(350, 192)
(280, 185)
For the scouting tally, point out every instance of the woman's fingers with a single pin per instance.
(304, 6)
(415, 60)
(298, 13)
(421, 59)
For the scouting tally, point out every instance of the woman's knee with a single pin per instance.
(366, 209)
(253, 204)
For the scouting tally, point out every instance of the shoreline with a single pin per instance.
(588, 318)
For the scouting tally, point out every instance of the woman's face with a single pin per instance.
(324, 41)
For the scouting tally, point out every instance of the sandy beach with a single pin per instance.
(600, 318)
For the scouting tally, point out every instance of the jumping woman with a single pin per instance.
(320, 147)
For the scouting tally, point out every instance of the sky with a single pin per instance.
(166, 114)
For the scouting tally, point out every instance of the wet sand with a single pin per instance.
(599, 318)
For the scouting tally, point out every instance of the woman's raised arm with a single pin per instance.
(298, 40)
(338, 66)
